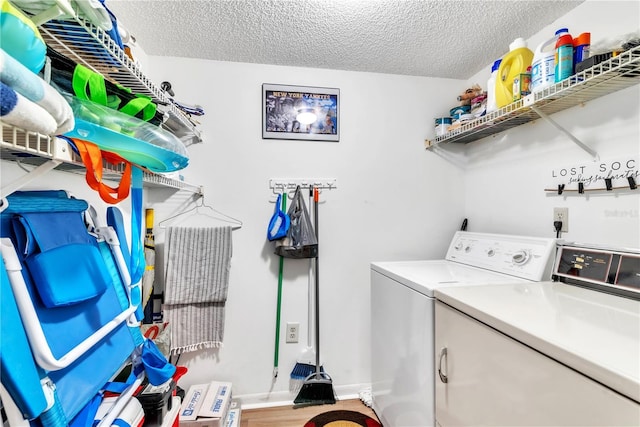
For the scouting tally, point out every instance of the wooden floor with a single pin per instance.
(287, 416)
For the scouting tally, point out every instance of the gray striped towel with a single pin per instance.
(197, 264)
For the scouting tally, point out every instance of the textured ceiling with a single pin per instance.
(422, 38)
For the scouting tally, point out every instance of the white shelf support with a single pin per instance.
(36, 173)
(555, 124)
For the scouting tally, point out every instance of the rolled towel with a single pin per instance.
(31, 86)
(18, 111)
(92, 10)
(95, 12)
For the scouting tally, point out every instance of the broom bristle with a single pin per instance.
(300, 373)
(302, 370)
(316, 391)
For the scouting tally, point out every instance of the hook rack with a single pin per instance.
(581, 188)
(286, 184)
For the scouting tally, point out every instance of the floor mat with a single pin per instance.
(342, 419)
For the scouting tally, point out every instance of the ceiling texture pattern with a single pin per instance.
(453, 39)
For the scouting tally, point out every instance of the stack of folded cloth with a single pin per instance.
(29, 103)
(91, 10)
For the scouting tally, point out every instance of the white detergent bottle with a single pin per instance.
(543, 64)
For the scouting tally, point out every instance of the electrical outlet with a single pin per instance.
(562, 214)
(292, 332)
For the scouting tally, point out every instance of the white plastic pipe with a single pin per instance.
(121, 402)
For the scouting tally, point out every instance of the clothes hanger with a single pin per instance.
(199, 203)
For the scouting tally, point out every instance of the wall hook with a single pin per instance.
(607, 183)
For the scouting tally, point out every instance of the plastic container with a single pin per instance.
(491, 87)
(581, 45)
(563, 58)
(457, 112)
(514, 63)
(137, 141)
(442, 125)
(543, 65)
(522, 85)
(156, 402)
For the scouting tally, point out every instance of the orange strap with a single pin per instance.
(92, 158)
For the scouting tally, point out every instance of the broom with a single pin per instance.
(317, 388)
(305, 364)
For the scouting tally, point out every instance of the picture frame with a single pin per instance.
(300, 112)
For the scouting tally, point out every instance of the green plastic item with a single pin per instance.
(280, 274)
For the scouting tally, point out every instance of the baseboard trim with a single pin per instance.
(285, 398)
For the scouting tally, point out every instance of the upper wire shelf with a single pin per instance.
(609, 76)
(91, 46)
(32, 148)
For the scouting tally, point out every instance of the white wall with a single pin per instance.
(507, 173)
(393, 201)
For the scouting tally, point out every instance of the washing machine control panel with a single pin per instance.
(521, 256)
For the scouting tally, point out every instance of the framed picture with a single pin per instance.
(300, 112)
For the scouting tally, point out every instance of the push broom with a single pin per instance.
(305, 364)
(317, 388)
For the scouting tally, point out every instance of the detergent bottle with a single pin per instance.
(563, 57)
(491, 87)
(581, 46)
(543, 66)
(516, 61)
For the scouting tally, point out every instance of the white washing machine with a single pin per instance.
(402, 314)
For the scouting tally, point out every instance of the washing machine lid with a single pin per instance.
(593, 332)
(426, 276)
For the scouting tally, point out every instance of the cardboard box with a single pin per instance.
(206, 405)
(233, 419)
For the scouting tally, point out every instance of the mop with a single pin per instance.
(317, 388)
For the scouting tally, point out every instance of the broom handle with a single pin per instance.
(317, 284)
(310, 287)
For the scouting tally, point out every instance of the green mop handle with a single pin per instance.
(280, 272)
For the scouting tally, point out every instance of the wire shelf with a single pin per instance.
(89, 45)
(604, 78)
(31, 148)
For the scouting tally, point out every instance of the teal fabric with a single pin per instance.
(110, 263)
(20, 375)
(137, 264)
(20, 41)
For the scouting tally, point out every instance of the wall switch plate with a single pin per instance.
(562, 214)
(292, 332)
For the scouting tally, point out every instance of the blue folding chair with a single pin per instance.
(70, 307)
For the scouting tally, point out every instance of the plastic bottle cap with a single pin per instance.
(564, 40)
(496, 65)
(562, 31)
(582, 39)
(518, 43)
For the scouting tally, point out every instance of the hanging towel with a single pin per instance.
(197, 264)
